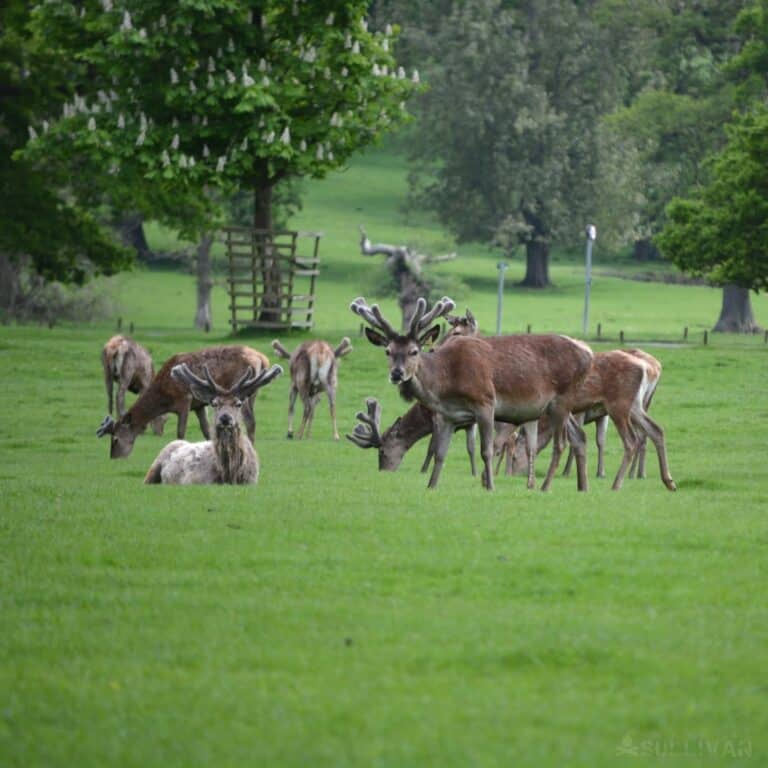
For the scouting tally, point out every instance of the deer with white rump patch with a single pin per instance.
(508, 378)
(619, 385)
(229, 456)
(314, 370)
(129, 365)
(166, 395)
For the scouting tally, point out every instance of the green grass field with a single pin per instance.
(333, 615)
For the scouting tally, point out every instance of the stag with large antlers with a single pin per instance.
(166, 395)
(508, 378)
(314, 370)
(229, 456)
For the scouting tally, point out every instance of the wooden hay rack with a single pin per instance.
(271, 277)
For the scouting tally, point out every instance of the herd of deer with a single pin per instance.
(519, 392)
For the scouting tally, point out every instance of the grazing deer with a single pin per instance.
(617, 386)
(396, 440)
(314, 369)
(166, 395)
(508, 378)
(229, 456)
(129, 364)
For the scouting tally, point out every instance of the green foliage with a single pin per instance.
(41, 215)
(722, 233)
(217, 95)
(510, 147)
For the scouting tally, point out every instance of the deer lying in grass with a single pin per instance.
(166, 395)
(229, 456)
(314, 369)
(617, 386)
(508, 378)
(128, 364)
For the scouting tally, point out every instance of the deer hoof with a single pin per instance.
(290, 435)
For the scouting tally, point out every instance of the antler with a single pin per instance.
(421, 318)
(107, 427)
(206, 389)
(252, 381)
(368, 433)
(344, 348)
(372, 316)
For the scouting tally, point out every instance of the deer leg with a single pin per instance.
(430, 452)
(120, 400)
(312, 405)
(291, 407)
(531, 430)
(656, 434)
(578, 441)
(109, 383)
(305, 417)
(502, 455)
(442, 433)
(571, 455)
(485, 428)
(600, 429)
(332, 405)
(629, 440)
(471, 449)
(181, 424)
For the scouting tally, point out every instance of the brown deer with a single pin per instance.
(617, 386)
(129, 364)
(229, 456)
(314, 370)
(508, 378)
(396, 440)
(166, 395)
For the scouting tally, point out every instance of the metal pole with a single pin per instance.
(591, 233)
(502, 267)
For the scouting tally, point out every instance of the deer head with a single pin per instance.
(122, 435)
(403, 350)
(227, 403)
(461, 326)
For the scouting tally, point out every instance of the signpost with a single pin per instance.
(591, 233)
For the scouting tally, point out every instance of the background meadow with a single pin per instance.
(335, 615)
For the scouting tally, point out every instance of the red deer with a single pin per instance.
(166, 395)
(129, 364)
(394, 442)
(314, 369)
(618, 386)
(508, 378)
(229, 456)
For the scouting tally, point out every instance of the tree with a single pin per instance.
(510, 147)
(203, 98)
(42, 220)
(721, 233)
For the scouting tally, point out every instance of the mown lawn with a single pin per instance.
(338, 616)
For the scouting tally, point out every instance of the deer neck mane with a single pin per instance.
(229, 456)
(425, 382)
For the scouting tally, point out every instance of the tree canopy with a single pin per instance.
(219, 94)
(722, 232)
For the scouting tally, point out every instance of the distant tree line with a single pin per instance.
(538, 117)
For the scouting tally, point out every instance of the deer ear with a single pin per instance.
(376, 338)
(430, 336)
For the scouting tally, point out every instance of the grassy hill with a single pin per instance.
(334, 615)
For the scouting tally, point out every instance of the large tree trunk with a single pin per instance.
(270, 274)
(736, 313)
(536, 265)
(131, 229)
(204, 283)
(645, 250)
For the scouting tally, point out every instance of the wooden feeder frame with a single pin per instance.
(251, 253)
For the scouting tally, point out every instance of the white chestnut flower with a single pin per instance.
(285, 136)
(166, 159)
(92, 124)
(221, 162)
(32, 133)
(174, 76)
(175, 141)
